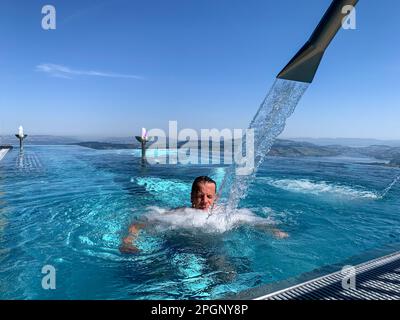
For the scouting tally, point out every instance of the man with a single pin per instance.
(203, 197)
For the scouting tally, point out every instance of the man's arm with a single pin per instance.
(273, 230)
(127, 245)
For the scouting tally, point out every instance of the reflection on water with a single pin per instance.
(20, 159)
(28, 161)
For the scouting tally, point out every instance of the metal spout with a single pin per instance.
(304, 64)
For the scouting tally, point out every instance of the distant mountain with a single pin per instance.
(349, 142)
(38, 140)
(121, 140)
(283, 148)
(340, 142)
(106, 145)
(287, 148)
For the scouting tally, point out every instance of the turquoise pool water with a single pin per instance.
(69, 206)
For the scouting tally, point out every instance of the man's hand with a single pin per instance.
(128, 248)
(280, 234)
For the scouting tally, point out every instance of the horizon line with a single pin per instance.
(132, 136)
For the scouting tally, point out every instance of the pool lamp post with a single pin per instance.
(143, 139)
(21, 136)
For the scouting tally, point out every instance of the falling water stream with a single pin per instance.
(390, 186)
(268, 123)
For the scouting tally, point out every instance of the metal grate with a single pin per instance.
(378, 279)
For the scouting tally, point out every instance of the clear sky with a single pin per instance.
(111, 67)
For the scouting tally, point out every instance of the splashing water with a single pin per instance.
(191, 219)
(268, 123)
(390, 186)
(322, 188)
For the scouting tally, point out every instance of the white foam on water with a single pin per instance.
(320, 187)
(218, 221)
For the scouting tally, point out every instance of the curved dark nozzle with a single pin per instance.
(143, 142)
(21, 138)
(304, 64)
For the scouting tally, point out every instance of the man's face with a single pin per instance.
(204, 198)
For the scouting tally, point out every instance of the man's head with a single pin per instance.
(203, 194)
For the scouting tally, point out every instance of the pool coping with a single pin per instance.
(3, 152)
(281, 285)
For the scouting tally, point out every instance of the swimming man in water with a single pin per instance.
(203, 197)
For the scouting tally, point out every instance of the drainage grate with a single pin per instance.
(378, 279)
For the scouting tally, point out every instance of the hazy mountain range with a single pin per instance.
(50, 139)
(388, 151)
(349, 142)
(288, 148)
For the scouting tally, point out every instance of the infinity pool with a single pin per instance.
(69, 206)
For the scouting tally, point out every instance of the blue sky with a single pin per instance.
(112, 67)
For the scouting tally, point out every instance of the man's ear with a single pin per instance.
(191, 200)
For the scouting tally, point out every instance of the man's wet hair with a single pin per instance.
(202, 179)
